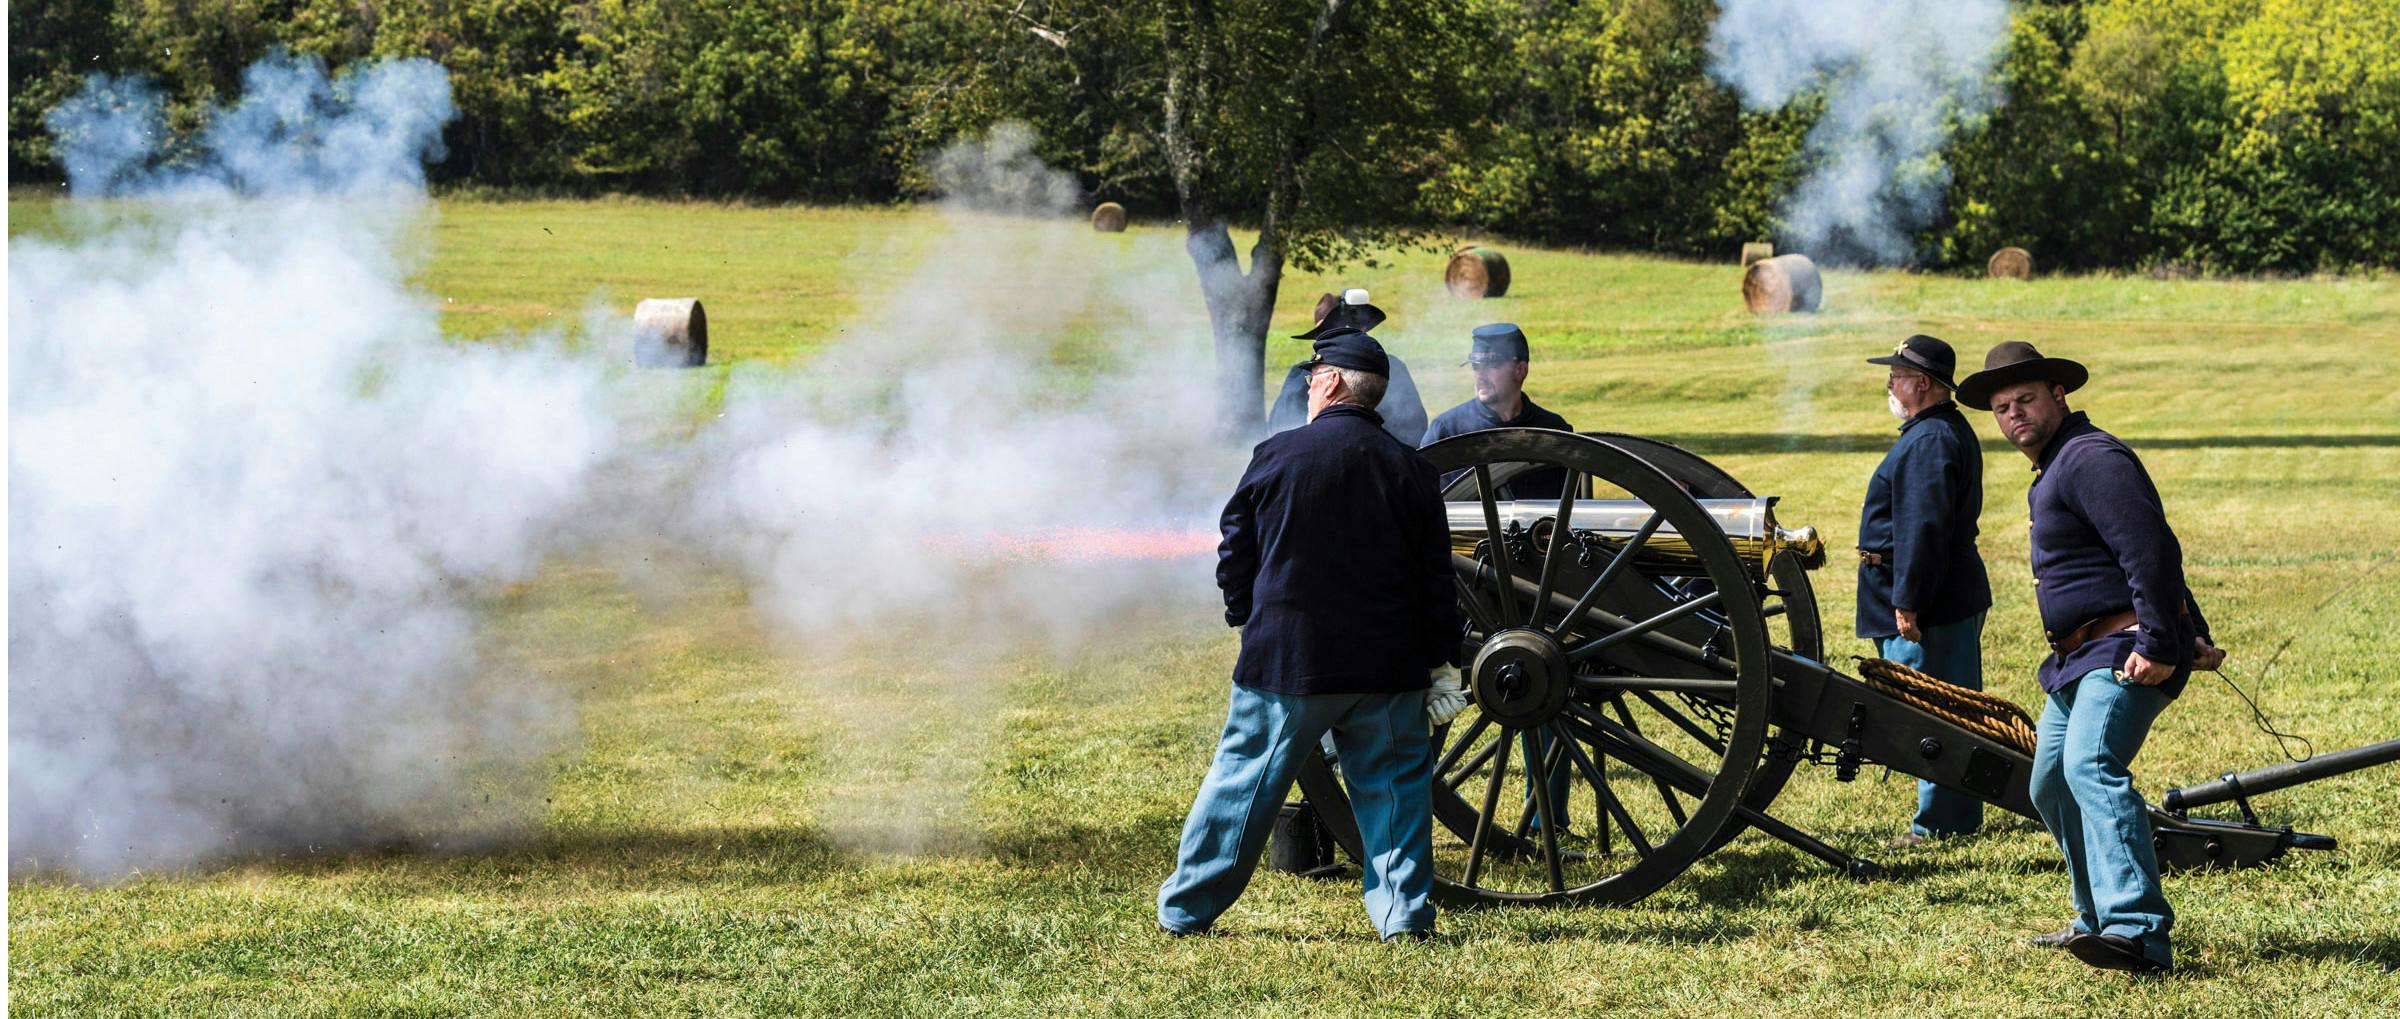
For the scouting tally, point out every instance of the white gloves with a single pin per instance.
(1447, 697)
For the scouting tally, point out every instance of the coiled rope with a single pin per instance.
(1993, 718)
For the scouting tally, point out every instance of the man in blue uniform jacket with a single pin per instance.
(2124, 632)
(1336, 565)
(1500, 357)
(1402, 410)
(1922, 592)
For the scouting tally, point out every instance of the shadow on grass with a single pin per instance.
(1140, 842)
(2382, 953)
(643, 858)
(1536, 928)
(1719, 443)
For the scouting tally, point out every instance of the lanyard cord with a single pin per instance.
(2259, 717)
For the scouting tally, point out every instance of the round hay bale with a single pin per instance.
(670, 332)
(1756, 251)
(1476, 271)
(1782, 283)
(2011, 264)
(1109, 218)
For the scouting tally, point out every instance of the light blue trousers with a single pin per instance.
(1387, 762)
(1952, 653)
(2083, 788)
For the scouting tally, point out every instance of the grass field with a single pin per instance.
(698, 853)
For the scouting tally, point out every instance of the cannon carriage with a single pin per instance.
(1646, 670)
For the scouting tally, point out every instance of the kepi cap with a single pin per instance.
(1350, 348)
(1499, 339)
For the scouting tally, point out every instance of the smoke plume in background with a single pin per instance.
(1897, 75)
(296, 132)
(254, 492)
(1011, 456)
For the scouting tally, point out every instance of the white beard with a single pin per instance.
(1892, 400)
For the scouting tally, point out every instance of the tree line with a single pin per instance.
(2209, 135)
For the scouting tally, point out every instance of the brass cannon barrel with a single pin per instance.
(1750, 523)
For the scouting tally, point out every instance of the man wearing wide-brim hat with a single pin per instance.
(2125, 634)
(1922, 590)
(1402, 409)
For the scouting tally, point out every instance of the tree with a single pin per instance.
(1312, 124)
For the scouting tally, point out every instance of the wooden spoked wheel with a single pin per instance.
(1620, 697)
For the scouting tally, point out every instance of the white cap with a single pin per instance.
(1354, 296)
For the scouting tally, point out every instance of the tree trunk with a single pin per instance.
(1239, 306)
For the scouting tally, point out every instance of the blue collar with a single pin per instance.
(2075, 424)
(1351, 409)
(1929, 412)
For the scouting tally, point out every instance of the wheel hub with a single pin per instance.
(1521, 678)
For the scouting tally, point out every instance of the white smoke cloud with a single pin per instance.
(1896, 74)
(1016, 453)
(1030, 382)
(253, 491)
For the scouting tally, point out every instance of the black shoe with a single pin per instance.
(2110, 951)
(1173, 933)
(2055, 939)
(1399, 936)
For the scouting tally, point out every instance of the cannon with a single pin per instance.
(1646, 671)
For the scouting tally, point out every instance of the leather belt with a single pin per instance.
(2094, 630)
(1872, 558)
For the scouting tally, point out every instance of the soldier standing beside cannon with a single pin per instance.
(1499, 357)
(2124, 634)
(1922, 592)
(1336, 565)
(1402, 410)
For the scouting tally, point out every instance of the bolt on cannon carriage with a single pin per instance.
(1647, 668)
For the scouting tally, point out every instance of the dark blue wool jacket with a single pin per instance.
(1403, 411)
(1336, 562)
(1473, 416)
(1920, 514)
(2101, 546)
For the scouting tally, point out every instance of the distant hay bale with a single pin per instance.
(1476, 271)
(2011, 264)
(1109, 218)
(670, 332)
(1756, 251)
(1782, 283)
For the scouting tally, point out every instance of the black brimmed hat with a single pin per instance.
(1501, 340)
(2013, 362)
(1926, 354)
(1352, 349)
(1351, 312)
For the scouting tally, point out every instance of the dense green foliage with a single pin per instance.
(2217, 135)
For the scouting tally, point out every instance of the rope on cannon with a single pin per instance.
(1994, 718)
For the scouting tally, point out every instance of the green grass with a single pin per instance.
(744, 827)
